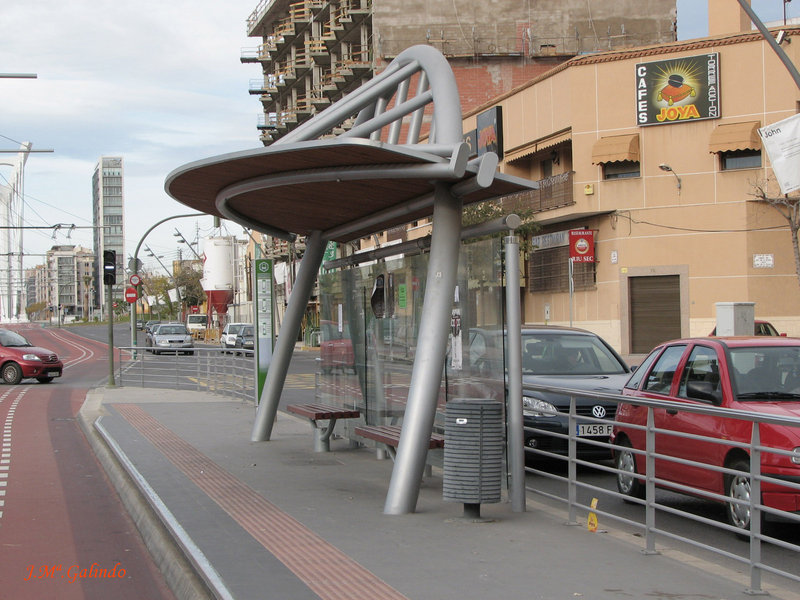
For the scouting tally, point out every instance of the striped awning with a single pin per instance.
(616, 148)
(735, 136)
(539, 145)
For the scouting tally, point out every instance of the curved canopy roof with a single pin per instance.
(333, 186)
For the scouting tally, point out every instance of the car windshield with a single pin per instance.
(766, 372)
(564, 354)
(172, 330)
(248, 331)
(11, 339)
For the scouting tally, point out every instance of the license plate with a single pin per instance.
(54, 373)
(594, 429)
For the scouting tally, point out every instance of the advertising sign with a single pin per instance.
(490, 132)
(581, 245)
(678, 90)
(782, 143)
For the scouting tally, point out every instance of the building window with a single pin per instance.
(740, 159)
(548, 271)
(621, 169)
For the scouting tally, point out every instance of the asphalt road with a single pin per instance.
(63, 530)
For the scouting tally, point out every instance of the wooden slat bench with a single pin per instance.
(322, 412)
(389, 436)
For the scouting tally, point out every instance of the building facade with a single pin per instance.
(312, 52)
(656, 152)
(108, 210)
(70, 281)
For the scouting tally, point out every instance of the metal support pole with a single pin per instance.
(111, 382)
(284, 346)
(516, 428)
(426, 373)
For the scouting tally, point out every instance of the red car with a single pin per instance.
(749, 374)
(336, 349)
(19, 360)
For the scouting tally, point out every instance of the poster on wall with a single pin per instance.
(678, 90)
(782, 143)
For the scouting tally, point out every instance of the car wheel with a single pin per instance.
(12, 374)
(628, 483)
(737, 487)
(44, 379)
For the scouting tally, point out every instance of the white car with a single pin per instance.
(227, 340)
(171, 337)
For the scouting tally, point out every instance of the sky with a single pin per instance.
(157, 82)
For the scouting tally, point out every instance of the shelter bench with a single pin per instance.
(389, 436)
(322, 412)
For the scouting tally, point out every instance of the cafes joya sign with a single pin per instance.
(678, 90)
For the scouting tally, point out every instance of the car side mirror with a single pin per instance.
(704, 390)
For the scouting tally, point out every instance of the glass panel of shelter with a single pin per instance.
(366, 360)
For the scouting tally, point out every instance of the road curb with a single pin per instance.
(180, 573)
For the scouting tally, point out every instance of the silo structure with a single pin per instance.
(217, 279)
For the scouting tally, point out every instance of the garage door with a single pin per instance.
(655, 311)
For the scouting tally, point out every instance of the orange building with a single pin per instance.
(656, 150)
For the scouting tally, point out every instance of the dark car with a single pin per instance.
(749, 374)
(245, 340)
(19, 360)
(559, 357)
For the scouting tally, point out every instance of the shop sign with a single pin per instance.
(581, 245)
(678, 90)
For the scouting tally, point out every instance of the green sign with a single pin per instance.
(401, 295)
(263, 300)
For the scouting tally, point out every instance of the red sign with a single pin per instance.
(135, 279)
(581, 245)
(130, 295)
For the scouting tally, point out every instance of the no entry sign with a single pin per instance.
(130, 295)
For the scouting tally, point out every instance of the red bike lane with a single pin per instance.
(63, 531)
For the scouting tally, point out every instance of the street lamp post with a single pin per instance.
(134, 266)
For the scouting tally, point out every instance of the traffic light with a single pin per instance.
(109, 267)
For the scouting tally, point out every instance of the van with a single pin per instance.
(196, 324)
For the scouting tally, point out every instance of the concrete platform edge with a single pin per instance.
(184, 577)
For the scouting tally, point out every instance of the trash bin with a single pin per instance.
(473, 453)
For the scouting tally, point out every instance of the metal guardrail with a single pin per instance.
(206, 369)
(754, 558)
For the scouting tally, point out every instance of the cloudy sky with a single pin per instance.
(156, 82)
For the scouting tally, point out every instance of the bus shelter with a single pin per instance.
(340, 187)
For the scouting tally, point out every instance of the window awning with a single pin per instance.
(735, 136)
(539, 145)
(616, 148)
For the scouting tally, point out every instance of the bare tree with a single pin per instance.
(789, 209)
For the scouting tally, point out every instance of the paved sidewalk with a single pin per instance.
(274, 520)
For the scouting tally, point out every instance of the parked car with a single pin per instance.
(749, 374)
(245, 341)
(227, 339)
(19, 359)
(336, 347)
(171, 337)
(759, 328)
(148, 326)
(559, 357)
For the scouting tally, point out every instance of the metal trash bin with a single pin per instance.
(473, 453)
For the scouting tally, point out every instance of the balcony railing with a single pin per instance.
(553, 192)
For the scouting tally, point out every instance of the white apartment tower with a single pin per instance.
(108, 205)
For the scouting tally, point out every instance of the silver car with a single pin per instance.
(171, 337)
